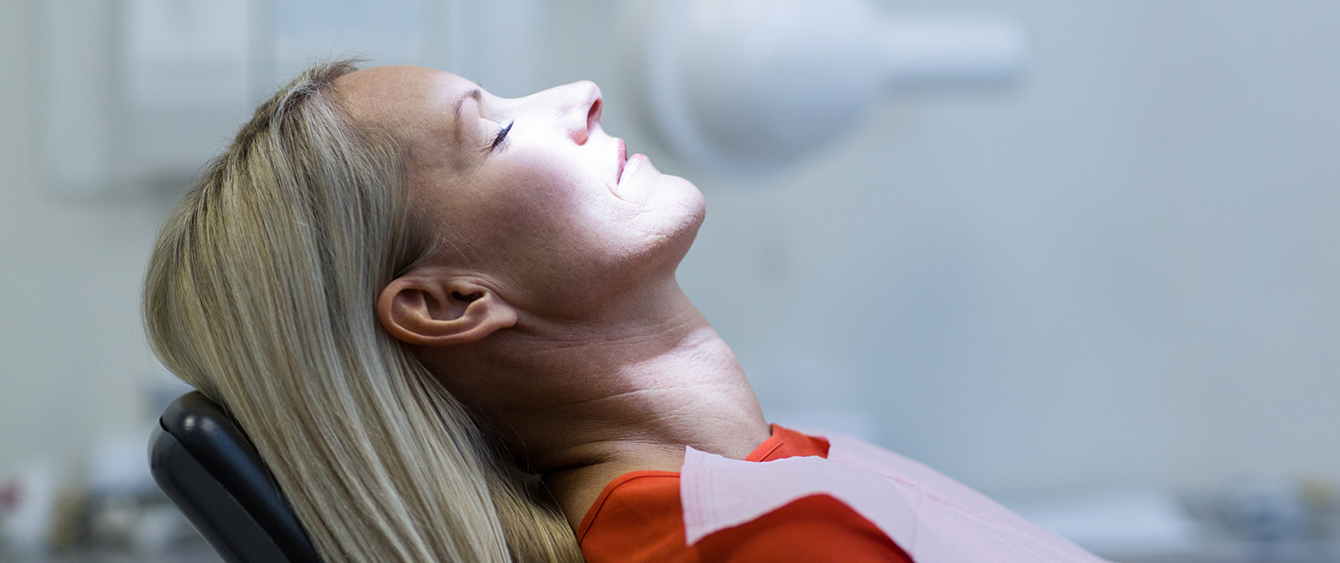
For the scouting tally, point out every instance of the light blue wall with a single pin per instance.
(73, 362)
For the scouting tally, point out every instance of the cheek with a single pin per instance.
(537, 222)
(544, 203)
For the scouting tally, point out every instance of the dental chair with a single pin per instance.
(204, 462)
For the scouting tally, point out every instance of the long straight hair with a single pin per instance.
(261, 293)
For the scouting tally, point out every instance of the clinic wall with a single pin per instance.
(1123, 274)
(73, 363)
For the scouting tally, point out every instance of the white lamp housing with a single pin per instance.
(747, 85)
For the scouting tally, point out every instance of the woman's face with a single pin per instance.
(530, 193)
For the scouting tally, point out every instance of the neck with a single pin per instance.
(583, 401)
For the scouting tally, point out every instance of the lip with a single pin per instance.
(623, 159)
(632, 165)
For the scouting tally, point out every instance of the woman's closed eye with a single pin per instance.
(501, 136)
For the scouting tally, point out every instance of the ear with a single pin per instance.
(429, 307)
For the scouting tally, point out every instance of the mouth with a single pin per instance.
(623, 159)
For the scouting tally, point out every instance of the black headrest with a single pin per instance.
(204, 462)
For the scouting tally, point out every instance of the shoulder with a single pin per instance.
(812, 529)
(639, 517)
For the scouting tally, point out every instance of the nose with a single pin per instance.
(581, 103)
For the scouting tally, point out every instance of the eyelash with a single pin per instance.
(502, 135)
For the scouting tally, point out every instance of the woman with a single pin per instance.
(451, 324)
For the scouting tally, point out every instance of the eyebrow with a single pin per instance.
(478, 96)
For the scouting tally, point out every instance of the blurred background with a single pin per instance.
(1106, 291)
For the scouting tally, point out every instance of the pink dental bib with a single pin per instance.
(932, 517)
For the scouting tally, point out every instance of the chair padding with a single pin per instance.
(204, 462)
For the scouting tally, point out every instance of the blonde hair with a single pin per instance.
(261, 293)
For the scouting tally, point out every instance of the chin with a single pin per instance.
(695, 211)
(693, 201)
(691, 208)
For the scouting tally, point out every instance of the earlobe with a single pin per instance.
(427, 309)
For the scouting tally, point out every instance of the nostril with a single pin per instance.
(593, 115)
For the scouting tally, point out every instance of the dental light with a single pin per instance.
(745, 86)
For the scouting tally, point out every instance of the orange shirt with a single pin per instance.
(638, 518)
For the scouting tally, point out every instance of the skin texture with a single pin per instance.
(550, 305)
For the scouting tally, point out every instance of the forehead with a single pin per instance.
(420, 106)
(412, 101)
